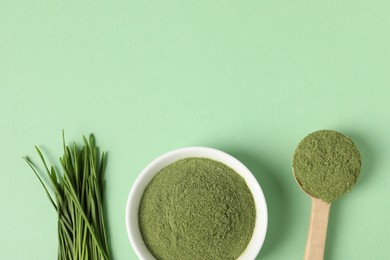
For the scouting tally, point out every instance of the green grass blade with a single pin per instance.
(43, 159)
(40, 180)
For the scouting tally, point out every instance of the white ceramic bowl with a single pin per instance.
(155, 166)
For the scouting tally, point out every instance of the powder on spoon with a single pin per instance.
(327, 164)
(197, 208)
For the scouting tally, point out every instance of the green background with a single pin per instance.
(251, 78)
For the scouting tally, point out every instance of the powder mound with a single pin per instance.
(197, 208)
(326, 164)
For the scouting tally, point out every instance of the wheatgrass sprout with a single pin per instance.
(78, 199)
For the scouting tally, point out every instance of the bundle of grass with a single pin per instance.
(78, 200)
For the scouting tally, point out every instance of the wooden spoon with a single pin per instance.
(316, 237)
(324, 153)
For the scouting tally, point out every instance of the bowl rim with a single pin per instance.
(147, 174)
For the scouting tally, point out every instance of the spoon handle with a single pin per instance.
(315, 245)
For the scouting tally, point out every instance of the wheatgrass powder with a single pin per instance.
(326, 163)
(197, 208)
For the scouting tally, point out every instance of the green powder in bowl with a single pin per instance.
(197, 208)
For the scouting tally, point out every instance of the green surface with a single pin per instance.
(248, 77)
